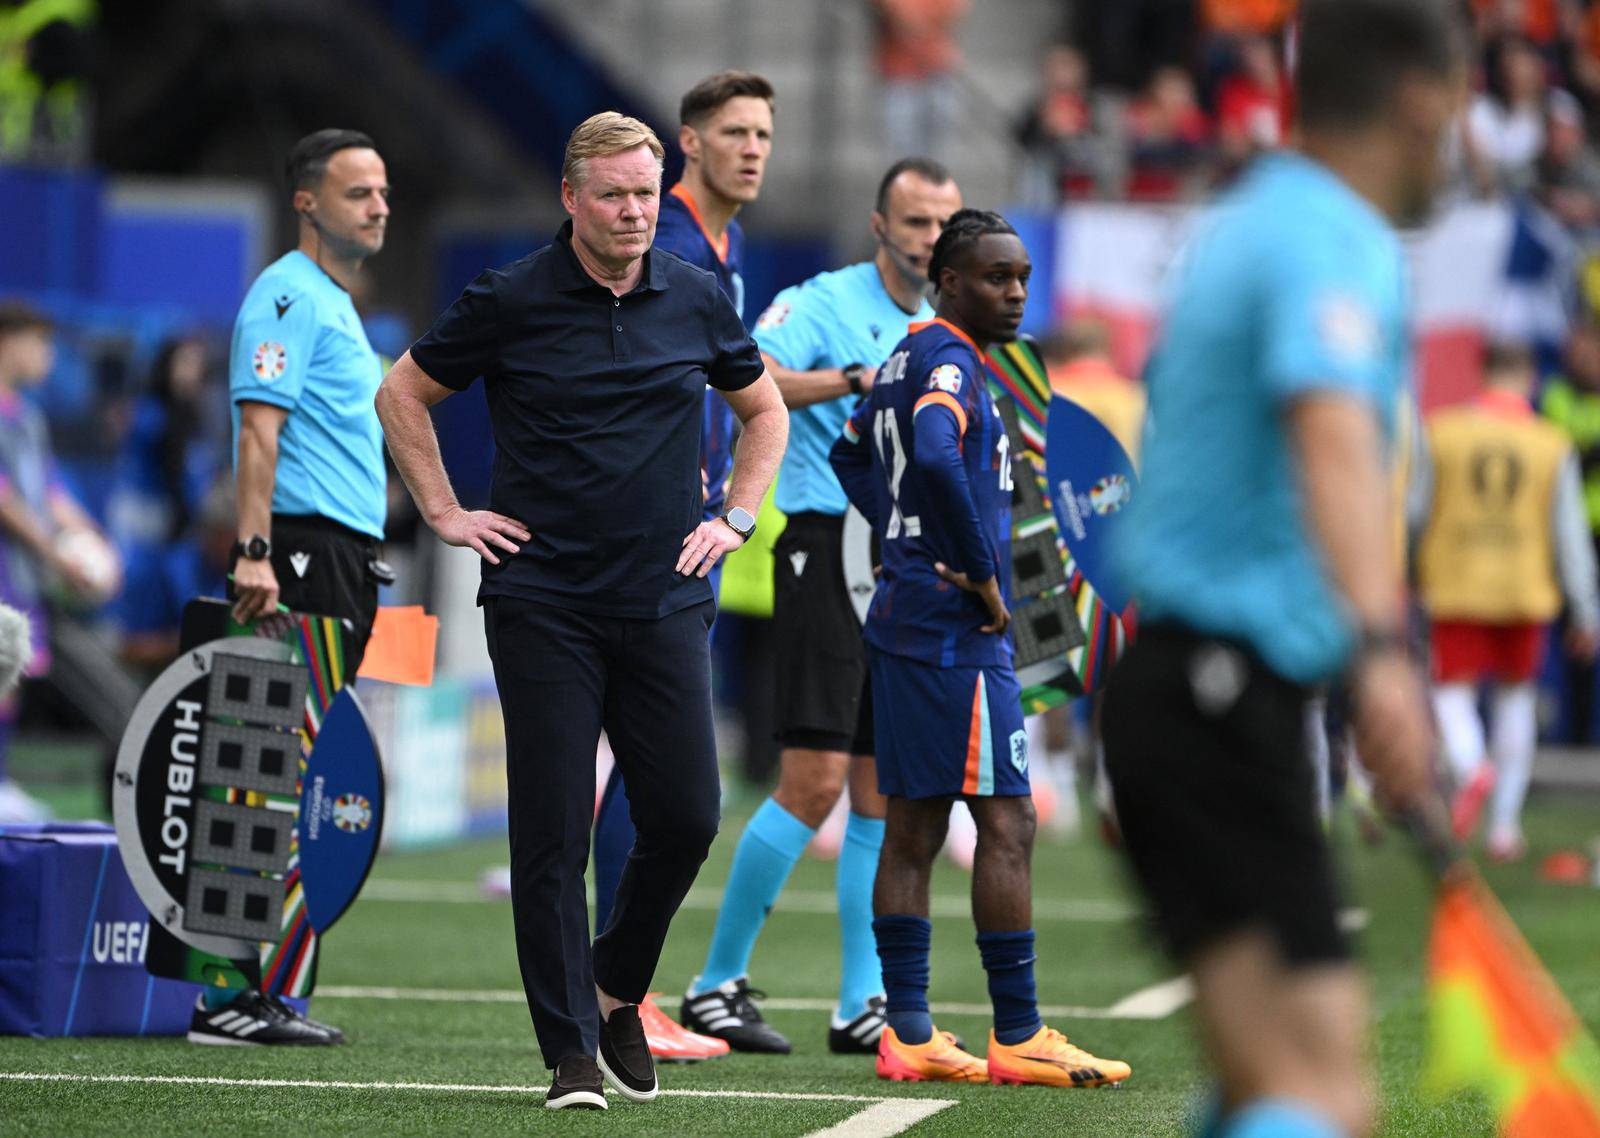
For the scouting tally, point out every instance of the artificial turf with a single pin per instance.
(422, 927)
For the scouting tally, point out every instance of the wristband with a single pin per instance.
(852, 374)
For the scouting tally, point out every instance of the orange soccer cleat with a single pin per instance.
(673, 1043)
(937, 1061)
(1051, 1060)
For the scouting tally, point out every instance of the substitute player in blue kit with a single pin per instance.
(822, 340)
(1261, 549)
(927, 460)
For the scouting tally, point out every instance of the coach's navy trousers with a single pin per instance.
(563, 676)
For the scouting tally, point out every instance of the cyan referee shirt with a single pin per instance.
(298, 344)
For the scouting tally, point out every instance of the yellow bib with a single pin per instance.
(1488, 551)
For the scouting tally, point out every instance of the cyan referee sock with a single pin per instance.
(903, 946)
(1280, 1118)
(767, 851)
(1008, 959)
(859, 973)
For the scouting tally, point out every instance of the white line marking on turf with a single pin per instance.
(885, 1118)
(1158, 1001)
(476, 1088)
(1155, 1002)
(823, 901)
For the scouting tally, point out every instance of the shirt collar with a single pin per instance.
(570, 277)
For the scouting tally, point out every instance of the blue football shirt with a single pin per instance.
(832, 320)
(680, 231)
(298, 344)
(1294, 284)
(925, 458)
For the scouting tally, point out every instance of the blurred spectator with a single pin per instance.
(1169, 136)
(1571, 400)
(1251, 102)
(1247, 17)
(1540, 23)
(1056, 132)
(1126, 40)
(45, 49)
(1078, 359)
(918, 60)
(46, 539)
(1569, 169)
(166, 467)
(1506, 125)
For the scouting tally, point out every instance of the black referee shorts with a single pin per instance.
(1206, 749)
(824, 699)
(324, 567)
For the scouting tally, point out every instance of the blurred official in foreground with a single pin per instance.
(596, 353)
(1261, 549)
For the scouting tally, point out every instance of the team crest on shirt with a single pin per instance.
(270, 360)
(1019, 751)
(1347, 328)
(777, 312)
(945, 377)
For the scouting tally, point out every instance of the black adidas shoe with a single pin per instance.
(252, 1019)
(860, 1035)
(284, 1005)
(625, 1055)
(729, 1012)
(576, 1083)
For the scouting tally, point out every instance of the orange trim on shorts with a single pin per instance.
(943, 399)
(969, 785)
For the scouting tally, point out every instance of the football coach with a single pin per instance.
(595, 352)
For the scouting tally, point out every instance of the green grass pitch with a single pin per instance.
(420, 930)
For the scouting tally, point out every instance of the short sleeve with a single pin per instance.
(273, 342)
(790, 330)
(735, 361)
(1327, 309)
(464, 341)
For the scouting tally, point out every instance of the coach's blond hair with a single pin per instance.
(602, 135)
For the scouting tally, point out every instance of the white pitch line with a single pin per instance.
(474, 1088)
(1158, 1001)
(824, 901)
(1155, 1002)
(885, 1118)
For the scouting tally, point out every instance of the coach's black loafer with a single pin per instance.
(576, 1083)
(625, 1055)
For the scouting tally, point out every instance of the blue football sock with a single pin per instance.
(859, 974)
(903, 947)
(613, 840)
(771, 844)
(1279, 1118)
(1008, 959)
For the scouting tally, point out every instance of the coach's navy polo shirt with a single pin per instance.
(595, 402)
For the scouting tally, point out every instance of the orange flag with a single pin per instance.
(1499, 1024)
(401, 648)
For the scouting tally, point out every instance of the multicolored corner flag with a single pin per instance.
(1499, 1025)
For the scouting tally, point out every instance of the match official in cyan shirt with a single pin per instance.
(595, 352)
